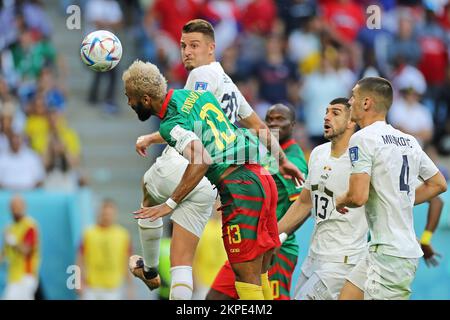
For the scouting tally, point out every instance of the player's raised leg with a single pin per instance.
(150, 233)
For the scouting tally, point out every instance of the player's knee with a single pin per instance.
(182, 284)
(151, 229)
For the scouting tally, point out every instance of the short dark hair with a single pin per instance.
(343, 101)
(379, 87)
(291, 110)
(201, 26)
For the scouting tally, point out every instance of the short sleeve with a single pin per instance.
(427, 168)
(201, 79)
(361, 154)
(176, 133)
(244, 110)
(30, 238)
(307, 184)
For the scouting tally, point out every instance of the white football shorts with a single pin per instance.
(164, 176)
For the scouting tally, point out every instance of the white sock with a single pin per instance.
(182, 284)
(150, 233)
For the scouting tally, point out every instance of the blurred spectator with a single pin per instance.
(296, 13)
(304, 44)
(21, 168)
(22, 251)
(344, 71)
(43, 125)
(31, 56)
(407, 76)
(52, 90)
(224, 16)
(410, 116)
(434, 60)
(10, 30)
(259, 16)
(107, 15)
(318, 89)
(36, 18)
(370, 66)
(10, 111)
(233, 65)
(61, 176)
(404, 46)
(170, 17)
(275, 72)
(103, 257)
(442, 118)
(344, 19)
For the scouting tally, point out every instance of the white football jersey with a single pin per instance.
(334, 233)
(212, 77)
(395, 161)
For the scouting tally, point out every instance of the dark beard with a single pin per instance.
(142, 112)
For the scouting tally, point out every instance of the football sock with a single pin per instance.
(267, 290)
(182, 285)
(150, 233)
(249, 291)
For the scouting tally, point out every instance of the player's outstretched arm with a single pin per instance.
(145, 141)
(430, 188)
(434, 214)
(199, 162)
(296, 214)
(287, 168)
(357, 194)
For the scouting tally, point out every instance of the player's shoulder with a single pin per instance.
(206, 71)
(368, 135)
(321, 150)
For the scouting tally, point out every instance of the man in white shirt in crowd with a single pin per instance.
(21, 168)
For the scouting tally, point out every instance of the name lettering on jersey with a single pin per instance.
(353, 151)
(190, 101)
(201, 85)
(398, 141)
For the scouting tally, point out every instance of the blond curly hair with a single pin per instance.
(145, 78)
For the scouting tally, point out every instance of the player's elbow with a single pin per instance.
(441, 183)
(360, 199)
(443, 187)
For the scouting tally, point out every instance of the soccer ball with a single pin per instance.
(101, 50)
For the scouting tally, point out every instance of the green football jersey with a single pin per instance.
(189, 115)
(288, 191)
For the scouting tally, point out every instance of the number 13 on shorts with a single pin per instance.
(234, 234)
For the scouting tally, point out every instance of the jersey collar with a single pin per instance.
(163, 110)
(287, 144)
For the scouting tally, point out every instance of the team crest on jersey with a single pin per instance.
(353, 154)
(201, 85)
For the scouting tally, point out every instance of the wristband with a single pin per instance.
(426, 237)
(283, 236)
(172, 204)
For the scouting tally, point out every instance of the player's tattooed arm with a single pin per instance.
(145, 141)
(357, 194)
(297, 213)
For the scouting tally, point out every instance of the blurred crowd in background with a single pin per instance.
(299, 52)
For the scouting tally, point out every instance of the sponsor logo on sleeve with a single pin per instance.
(201, 86)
